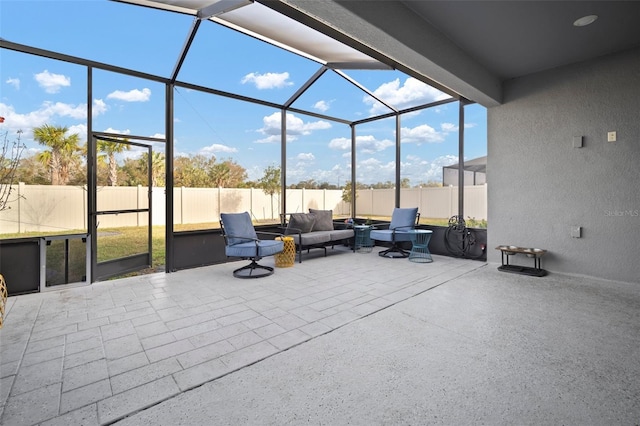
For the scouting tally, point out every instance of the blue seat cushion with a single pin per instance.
(387, 235)
(238, 227)
(248, 249)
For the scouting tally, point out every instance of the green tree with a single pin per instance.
(430, 184)
(157, 167)
(133, 173)
(109, 150)
(270, 183)
(32, 172)
(192, 171)
(9, 161)
(227, 174)
(346, 192)
(62, 156)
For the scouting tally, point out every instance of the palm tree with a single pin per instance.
(63, 152)
(111, 149)
(157, 167)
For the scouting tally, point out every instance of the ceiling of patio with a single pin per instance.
(471, 47)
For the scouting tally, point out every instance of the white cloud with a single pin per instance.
(421, 134)
(449, 127)
(80, 130)
(52, 83)
(412, 93)
(118, 132)
(134, 95)
(99, 107)
(322, 106)
(61, 109)
(367, 144)
(216, 147)
(47, 114)
(15, 82)
(271, 139)
(270, 80)
(423, 171)
(340, 144)
(295, 127)
(305, 156)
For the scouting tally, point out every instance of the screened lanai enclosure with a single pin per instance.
(131, 125)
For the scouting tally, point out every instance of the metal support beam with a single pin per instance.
(168, 122)
(353, 171)
(92, 178)
(283, 161)
(398, 157)
(185, 49)
(461, 105)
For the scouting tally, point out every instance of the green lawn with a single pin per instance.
(115, 243)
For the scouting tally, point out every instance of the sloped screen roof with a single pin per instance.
(259, 21)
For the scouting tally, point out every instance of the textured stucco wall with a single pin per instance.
(541, 185)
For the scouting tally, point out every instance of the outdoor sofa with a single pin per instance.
(315, 229)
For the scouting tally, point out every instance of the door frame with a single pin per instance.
(136, 262)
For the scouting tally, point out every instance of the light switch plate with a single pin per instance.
(577, 141)
(612, 136)
(576, 231)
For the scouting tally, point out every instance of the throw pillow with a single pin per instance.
(324, 220)
(302, 221)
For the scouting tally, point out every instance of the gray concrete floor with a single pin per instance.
(347, 339)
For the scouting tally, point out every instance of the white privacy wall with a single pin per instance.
(541, 185)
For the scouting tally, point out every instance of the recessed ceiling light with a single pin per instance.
(585, 20)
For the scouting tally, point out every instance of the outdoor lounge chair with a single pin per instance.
(241, 240)
(403, 222)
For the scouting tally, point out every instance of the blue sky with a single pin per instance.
(36, 91)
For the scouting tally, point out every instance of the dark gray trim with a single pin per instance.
(364, 89)
(169, 201)
(185, 48)
(398, 158)
(461, 158)
(353, 171)
(79, 61)
(92, 179)
(283, 159)
(305, 86)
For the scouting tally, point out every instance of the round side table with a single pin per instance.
(363, 238)
(420, 246)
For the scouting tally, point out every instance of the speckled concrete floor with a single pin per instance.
(484, 348)
(347, 339)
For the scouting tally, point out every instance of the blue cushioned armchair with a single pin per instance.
(403, 222)
(241, 240)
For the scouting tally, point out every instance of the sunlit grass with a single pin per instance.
(114, 243)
